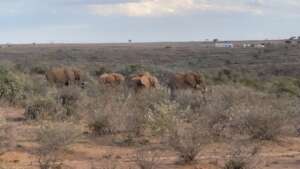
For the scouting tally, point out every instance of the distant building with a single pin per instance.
(246, 45)
(259, 45)
(224, 45)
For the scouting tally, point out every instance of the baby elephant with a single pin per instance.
(111, 79)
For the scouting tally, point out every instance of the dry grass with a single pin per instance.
(53, 139)
(238, 106)
(148, 158)
(243, 156)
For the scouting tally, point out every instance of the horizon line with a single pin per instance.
(136, 42)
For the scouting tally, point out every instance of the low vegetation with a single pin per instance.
(148, 158)
(53, 139)
(11, 86)
(239, 106)
(187, 141)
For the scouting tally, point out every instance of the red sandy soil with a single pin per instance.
(284, 154)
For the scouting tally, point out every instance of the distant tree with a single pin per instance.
(292, 38)
(288, 41)
(216, 40)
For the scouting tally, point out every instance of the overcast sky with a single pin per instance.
(26, 21)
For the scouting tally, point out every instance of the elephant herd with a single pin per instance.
(66, 76)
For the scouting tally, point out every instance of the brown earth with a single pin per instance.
(284, 154)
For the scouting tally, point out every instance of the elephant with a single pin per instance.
(143, 81)
(111, 79)
(190, 80)
(64, 76)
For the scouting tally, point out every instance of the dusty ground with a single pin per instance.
(284, 154)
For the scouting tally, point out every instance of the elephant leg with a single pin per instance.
(173, 94)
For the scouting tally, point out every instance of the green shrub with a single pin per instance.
(38, 70)
(161, 116)
(101, 70)
(288, 86)
(131, 69)
(11, 87)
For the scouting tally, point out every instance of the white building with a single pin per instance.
(224, 45)
(259, 46)
(246, 45)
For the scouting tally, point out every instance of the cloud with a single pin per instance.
(172, 7)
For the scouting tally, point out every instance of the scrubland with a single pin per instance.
(248, 118)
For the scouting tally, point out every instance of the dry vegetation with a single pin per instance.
(240, 107)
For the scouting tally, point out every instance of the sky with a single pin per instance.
(100, 21)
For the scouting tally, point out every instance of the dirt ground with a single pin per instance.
(88, 152)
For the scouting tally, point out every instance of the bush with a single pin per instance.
(69, 98)
(35, 86)
(187, 140)
(53, 139)
(262, 125)
(115, 112)
(189, 99)
(243, 158)
(101, 70)
(236, 111)
(160, 119)
(141, 106)
(11, 87)
(56, 105)
(108, 114)
(148, 158)
(41, 70)
(41, 108)
(288, 86)
(131, 69)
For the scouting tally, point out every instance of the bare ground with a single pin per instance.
(284, 154)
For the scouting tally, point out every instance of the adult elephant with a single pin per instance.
(64, 76)
(143, 81)
(190, 80)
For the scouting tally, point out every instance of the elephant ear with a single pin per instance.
(144, 80)
(103, 76)
(190, 80)
(118, 77)
(154, 82)
(110, 78)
